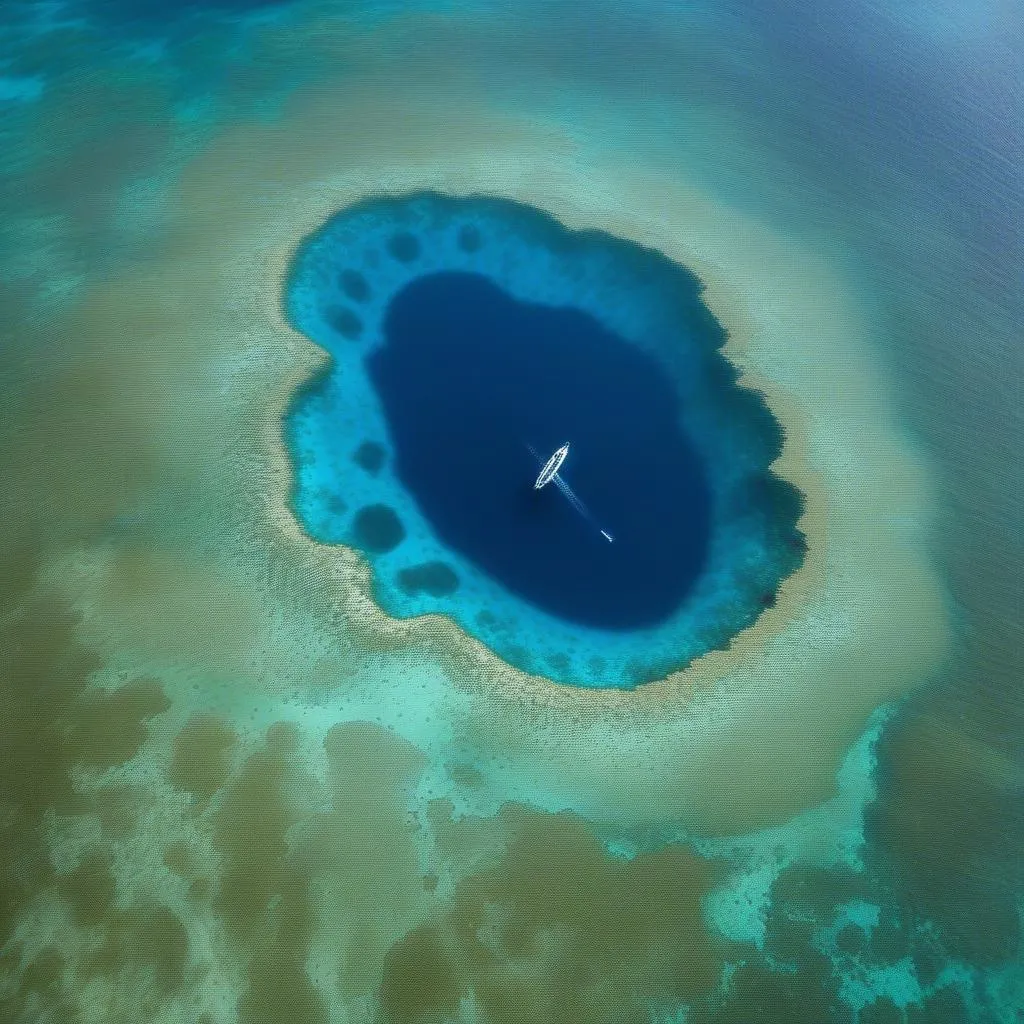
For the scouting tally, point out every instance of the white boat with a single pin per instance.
(551, 467)
(549, 474)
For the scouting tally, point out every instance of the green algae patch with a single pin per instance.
(89, 890)
(259, 892)
(202, 756)
(41, 985)
(940, 775)
(44, 971)
(364, 852)
(758, 995)
(119, 807)
(554, 928)
(262, 896)
(422, 981)
(180, 858)
(109, 726)
(278, 989)
(150, 940)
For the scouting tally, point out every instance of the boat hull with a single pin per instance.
(551, 467)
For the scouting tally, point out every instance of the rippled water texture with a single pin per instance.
(258, 768)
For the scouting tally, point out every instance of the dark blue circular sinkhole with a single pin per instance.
(464, 332)
(471, 378)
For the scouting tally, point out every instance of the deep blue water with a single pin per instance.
(470, 339)
(469, 377)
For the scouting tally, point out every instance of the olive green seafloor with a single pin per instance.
(216, 737)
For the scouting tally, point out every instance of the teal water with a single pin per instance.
(235, 794)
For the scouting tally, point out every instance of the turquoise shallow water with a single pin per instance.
(234, 794)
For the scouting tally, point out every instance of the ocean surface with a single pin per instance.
(303, 724)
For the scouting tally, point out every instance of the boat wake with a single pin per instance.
(550, 474)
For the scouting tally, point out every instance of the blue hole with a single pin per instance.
(664, 532)
(470, 377)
